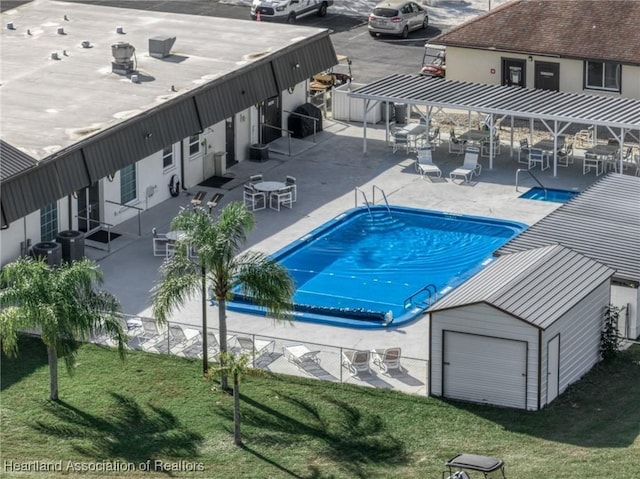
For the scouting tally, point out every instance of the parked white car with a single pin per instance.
(397, 17)
(288, 10)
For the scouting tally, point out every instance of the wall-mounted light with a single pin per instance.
(148, 135)
(530, 58)
(296, 66)
(111, 176)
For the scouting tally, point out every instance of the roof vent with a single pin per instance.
(86, 44)
(55, 56)
(60, 31)
(120, 30)
(10, 26)
(122, 52)
(160, 47)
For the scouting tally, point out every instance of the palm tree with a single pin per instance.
(62, 303)
(237, 366)
(220, 267)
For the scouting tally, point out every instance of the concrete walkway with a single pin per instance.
(327, 172)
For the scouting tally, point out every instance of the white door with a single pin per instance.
(553, 368)
(485, 369)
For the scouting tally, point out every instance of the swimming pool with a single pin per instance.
(549, 194)
(369, 265)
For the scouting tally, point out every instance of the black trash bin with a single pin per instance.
(72, 243)
(401, 113)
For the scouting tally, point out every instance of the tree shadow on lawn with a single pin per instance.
(32, 355)
(599, 410)
(351, 438)
(130, 432)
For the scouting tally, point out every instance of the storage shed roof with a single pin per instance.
(603, 222)
(537, 285)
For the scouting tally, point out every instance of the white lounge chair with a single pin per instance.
(356, 361)
(387, 359)
(255, 348)
(301, 355)
(424, 163)
(177, 339)
(470, 166)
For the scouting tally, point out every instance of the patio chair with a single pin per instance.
(584, 137)
(301, 355)
(255, 348)
(456, 145)
(424, 163)
(387, 359)
(523, 152)
(160, 242)
(177, 339)
(283, 197)
(591, 160)
(565, 155)
(470, 166)
(147, 338)
(198, 198)
(213, 202)
(400, 141)
(254, 199)
(434, 137)
(291, 181)
(255, 178)
(356, 361)
(537, 157)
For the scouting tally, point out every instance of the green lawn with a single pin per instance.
(158, 408)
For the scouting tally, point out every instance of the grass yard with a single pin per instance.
(158, 408)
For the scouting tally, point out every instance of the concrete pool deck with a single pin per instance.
(328, 173)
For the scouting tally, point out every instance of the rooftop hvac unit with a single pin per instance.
(160, 47)
(122, 53)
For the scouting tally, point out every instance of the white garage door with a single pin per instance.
(485, 369)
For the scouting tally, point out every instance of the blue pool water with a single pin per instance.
(549, 194)
(362, 264)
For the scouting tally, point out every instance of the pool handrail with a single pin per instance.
(532, 176)
(384, 196)
(429, 288)
(366, 201)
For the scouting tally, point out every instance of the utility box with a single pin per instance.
(72, 243)
(220, 163)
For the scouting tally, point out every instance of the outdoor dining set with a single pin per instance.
(259, 194)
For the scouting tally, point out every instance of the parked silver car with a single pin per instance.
(397, 17)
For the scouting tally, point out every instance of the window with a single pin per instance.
(49, 222)
(167, 157)
(602, 76)
(128, 187)
(194, 144)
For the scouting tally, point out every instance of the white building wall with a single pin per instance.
(628, 297)
(579, 331)
(481, 66)
(484, 320)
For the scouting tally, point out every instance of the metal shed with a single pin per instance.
(603, 222)
(522, 330)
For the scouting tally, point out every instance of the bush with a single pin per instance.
(609, 338)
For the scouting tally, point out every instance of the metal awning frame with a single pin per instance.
(555, 110)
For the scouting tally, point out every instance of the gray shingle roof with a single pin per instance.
(537, 285)
(586, 29)
(603, 222)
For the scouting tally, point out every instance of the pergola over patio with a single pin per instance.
(554, 109)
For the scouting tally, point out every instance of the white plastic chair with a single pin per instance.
(254, 199)
(356, 361)
(387, 359)
(470, 167)
(283, 197)
(424, 163)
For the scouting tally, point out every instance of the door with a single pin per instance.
(514, 72)
(271, 120)
(89, 208)
(553, 368)
(485, 369)
(547, 76)
(230, 134)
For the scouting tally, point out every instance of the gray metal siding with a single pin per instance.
(579, 331)
(303, 61)
(615, 112)
(13, 161)
(482, 319)
(72, 172)
(602, 222)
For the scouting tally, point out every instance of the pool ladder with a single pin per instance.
(532, 176)
(432, 293)
(373, 197)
